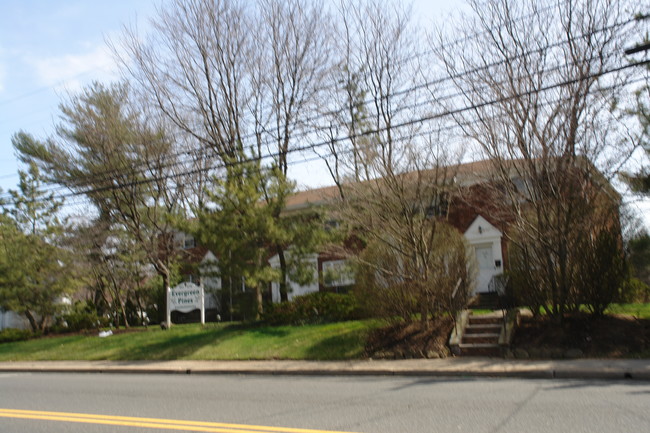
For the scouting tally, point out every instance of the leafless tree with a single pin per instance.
(394, 174)
(536, 82)
(238, 79)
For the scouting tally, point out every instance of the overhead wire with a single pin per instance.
(112, 172)
(109, 174)
(313, 146)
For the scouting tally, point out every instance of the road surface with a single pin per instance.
(33, 402)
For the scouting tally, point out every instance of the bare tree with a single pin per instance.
(395, 176)
(370, 112)
(535, 83)
(239, 80)
(194, 68)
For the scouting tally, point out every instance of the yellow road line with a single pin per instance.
(168, 424)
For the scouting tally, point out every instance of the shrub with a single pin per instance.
(634, 291)
(10, 335)
(83, 316)
(407, 280)
(319, 307)
(590, 270)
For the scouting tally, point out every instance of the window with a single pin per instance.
(189, 242)
(439, 206)
(337, 273)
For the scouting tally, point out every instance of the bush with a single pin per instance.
(319, 307)
(83, 316)
(591, 271)
(10, 335)
(634, 291)
(405, 281)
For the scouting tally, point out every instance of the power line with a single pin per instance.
(108, 175)
(365, 133)
(437, 81)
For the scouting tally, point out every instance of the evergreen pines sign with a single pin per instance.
(187, 297)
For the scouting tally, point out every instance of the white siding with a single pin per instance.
(9, 319)
(295, 289)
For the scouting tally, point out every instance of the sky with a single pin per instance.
(49, 48)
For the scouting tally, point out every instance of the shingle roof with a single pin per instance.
(310, 197)
(466, 173)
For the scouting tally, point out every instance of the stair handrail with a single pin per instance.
(501, 300)
(452, 299)
(453, 294)
(498, 283)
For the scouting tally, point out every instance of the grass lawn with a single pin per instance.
(640, 311)
(334, 341)
(344, 340)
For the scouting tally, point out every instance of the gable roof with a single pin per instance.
(466, 173)
(318, 196)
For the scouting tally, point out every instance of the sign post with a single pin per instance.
(168, 316)
(202, 304)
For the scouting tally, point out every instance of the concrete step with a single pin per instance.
(485, 301)
(481, 339)
(479, 349)
(486, 320)
(476, 336)
(477, 345)
(483, 328)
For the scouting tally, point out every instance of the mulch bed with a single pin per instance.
(405, 340)
(612, 336)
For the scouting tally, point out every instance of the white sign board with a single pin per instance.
(186, 297)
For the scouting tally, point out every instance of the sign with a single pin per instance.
(187, 297)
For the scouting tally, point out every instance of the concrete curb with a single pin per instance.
(451, 367)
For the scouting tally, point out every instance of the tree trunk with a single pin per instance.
(42, 324)
(424, 309)
(259, 309)
(123, 313)
(165, 278)
(32, 321)
(284, 294)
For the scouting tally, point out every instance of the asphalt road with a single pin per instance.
(32, 402)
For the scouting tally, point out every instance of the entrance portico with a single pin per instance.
(485, 239)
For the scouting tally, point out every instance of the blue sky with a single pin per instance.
(49, 48)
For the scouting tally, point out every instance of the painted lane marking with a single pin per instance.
(168, 424)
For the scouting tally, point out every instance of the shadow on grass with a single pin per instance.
(268, 331)
(36, 348)
(177, 347)
(186, 344)
(221, 341)
(349, 345)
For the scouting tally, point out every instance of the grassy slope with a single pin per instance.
(319, 342)
(344, 340)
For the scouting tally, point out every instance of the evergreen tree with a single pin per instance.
(35, 273)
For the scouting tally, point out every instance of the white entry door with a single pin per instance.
(486, 267)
